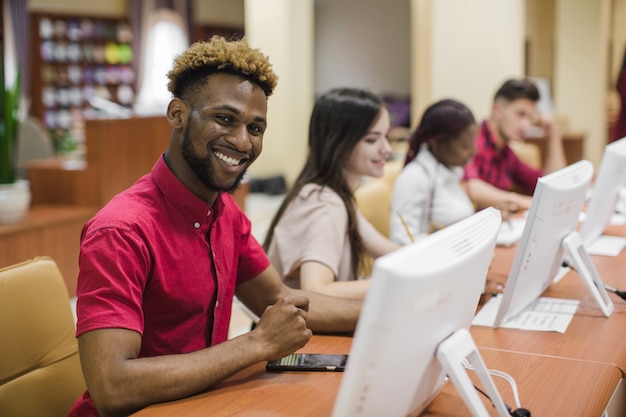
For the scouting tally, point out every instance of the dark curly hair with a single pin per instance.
(219, 55)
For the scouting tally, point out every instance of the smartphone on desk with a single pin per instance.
(309, 362)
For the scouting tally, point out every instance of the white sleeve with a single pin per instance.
(409, 200)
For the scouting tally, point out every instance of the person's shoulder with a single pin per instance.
(410, 172)
(415, 171)
(126, 210)
(484, 132)
(316, 192)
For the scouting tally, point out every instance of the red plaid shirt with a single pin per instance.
(502, 169)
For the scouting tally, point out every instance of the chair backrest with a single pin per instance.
(373, 198)
(40, 373)
(392, 169)
(33, 142)
(528, 153)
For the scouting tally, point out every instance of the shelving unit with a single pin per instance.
(76, 59)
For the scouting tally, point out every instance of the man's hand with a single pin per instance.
(555, 154)
(282, 328)
(513, 203)
(550, 128)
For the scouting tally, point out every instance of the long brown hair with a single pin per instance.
(339, 120)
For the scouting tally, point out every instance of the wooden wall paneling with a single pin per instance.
(122, 150)
(47, 230)
(53, 182)
(573, 143)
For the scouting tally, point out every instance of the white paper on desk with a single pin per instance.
(544, 314)
(607, 245)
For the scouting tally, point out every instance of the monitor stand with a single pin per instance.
(574, 248)
(451, 354)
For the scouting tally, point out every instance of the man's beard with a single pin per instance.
(203, 167)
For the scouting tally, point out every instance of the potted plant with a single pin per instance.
(14, 192)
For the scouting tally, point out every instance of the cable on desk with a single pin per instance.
(519, 411)
(621, 294)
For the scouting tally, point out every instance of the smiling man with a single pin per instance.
(161, 262)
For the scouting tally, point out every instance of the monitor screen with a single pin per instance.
(419, 295)
(609, 181)
(557, 202)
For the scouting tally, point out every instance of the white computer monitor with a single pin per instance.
(549, 231)
(609, 181)
(419, 296)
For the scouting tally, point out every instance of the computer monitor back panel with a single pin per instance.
(419, 295)
(553, 214)
(609, 181)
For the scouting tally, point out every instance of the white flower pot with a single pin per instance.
(14, 201)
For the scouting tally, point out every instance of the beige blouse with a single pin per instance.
(315, 228)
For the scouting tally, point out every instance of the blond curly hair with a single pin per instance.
(219, 55)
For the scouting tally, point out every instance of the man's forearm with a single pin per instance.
(328, 314)
(555, 155)
(121, 387)
(485, 195)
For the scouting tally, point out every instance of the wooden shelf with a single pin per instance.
(47, 230)
(75, 58)
(118, 153)
(573, 143)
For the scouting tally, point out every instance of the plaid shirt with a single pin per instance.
(502, 169)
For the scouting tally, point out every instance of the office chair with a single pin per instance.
(33, 142)
(392, 169)
(373, 198)
(528, 153)
(40, 373)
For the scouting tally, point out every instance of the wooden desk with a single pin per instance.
(590, 336)
(47, 230)
(572, 374)
(256, 392)
(547, 386)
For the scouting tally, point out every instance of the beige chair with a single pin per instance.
(40, 373)
(528, 153)
(373, 198)
(392, 169)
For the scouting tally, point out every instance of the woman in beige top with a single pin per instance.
(318, 238)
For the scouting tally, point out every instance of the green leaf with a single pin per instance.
(9, 123)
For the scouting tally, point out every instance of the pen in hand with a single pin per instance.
(406, 227)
